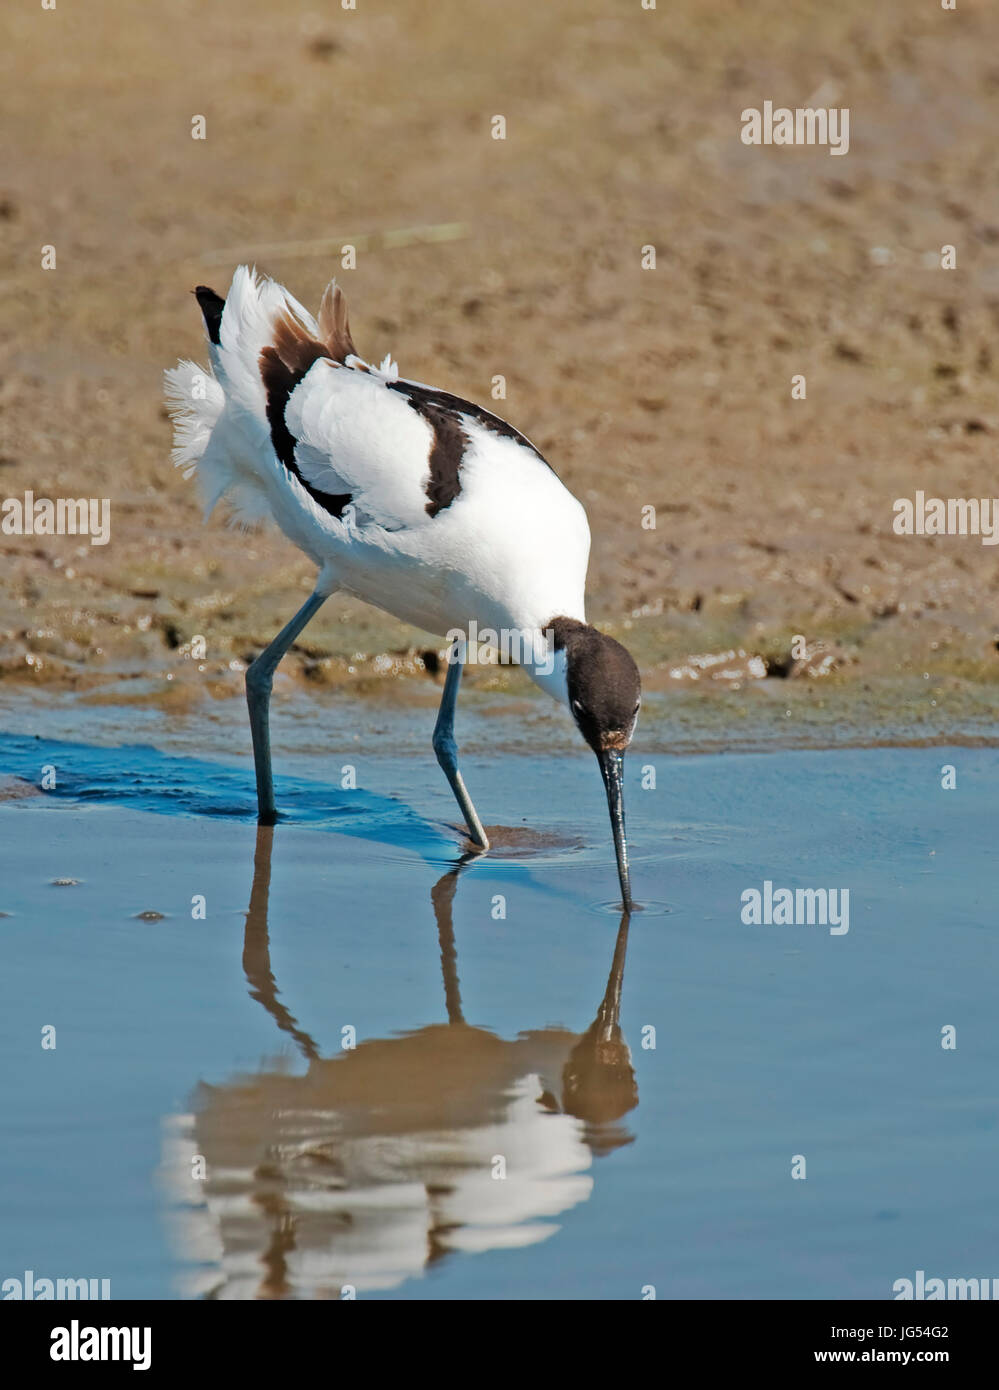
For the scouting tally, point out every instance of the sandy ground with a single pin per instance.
(476, 257)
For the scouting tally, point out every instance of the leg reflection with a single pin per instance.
(257, 949)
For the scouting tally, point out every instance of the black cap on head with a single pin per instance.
(605, 691)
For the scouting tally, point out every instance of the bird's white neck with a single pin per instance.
(548, 670)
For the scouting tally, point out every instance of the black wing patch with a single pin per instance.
(450, 441)
(281, 369)
(423, 396)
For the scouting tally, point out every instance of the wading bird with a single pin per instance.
(407, 497)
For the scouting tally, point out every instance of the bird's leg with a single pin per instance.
(447, 750)
(259, 679)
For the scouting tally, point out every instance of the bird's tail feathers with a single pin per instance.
(196, 402)
(253, 306)
(334, 330)
(258, 327)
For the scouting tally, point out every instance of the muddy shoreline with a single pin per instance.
(662, 392)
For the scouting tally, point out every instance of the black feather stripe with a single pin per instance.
(444, 483)
(421, 397)
(211, 305)
(279, 382)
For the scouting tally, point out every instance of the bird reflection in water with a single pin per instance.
(376, 1163)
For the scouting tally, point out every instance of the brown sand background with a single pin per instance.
(522, 257)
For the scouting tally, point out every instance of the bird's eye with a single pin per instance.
(577, 707)
(638, 706)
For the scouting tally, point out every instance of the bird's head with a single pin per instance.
(604, 692)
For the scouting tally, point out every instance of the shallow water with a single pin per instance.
(503, 1127)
